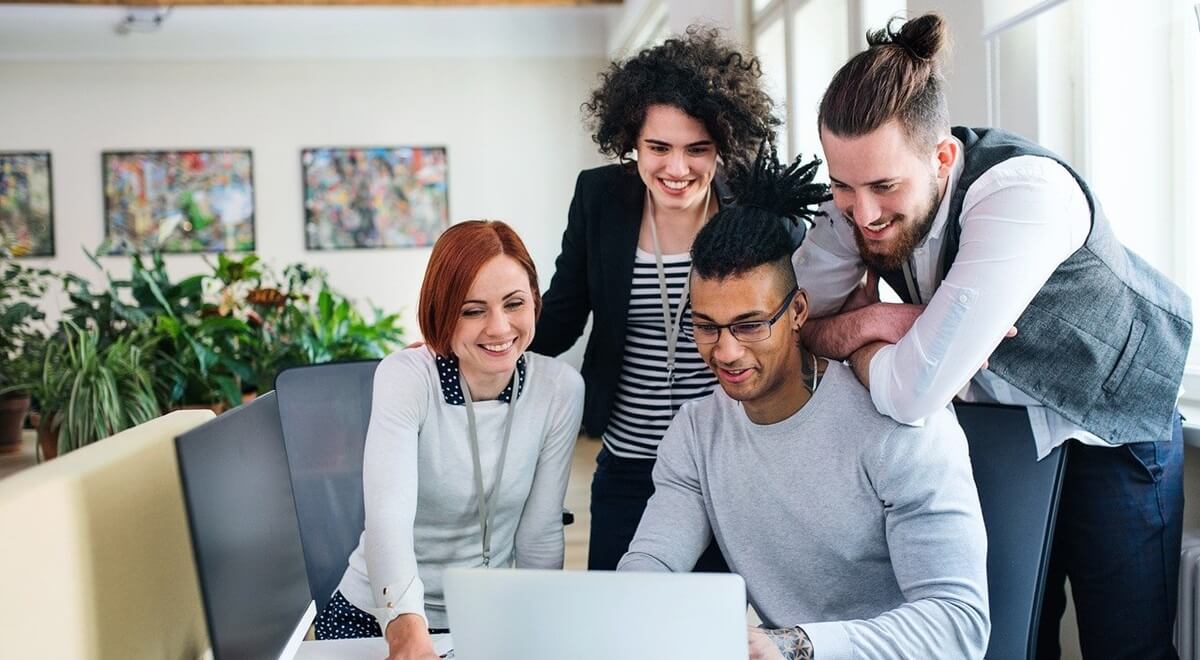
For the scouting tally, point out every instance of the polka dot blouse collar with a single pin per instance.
(452, 391)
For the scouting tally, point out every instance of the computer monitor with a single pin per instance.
(245, 537)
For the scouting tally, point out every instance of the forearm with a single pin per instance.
(674, 529)
(792, 643)
(840, 335)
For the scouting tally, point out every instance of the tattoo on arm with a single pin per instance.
(793, 643)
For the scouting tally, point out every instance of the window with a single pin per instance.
(801, 45)
(770, 45)
(1115, 93)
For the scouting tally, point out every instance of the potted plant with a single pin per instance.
(96, 391)
(21, 342)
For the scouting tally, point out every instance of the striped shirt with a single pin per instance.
(646, 401)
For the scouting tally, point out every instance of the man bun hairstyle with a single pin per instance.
(753, 231)
(699, 72)
(898, 76)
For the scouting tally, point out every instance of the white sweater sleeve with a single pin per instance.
(400, 403)
(539, 536)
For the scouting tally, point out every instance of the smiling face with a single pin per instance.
(760, 374)
(887, 190)
(496, 321)
(676, 158)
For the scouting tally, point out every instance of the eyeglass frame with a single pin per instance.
(730, 326)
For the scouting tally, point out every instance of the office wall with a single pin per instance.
(512, 127)
(966, 73)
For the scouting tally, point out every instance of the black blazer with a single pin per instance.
(594, 274)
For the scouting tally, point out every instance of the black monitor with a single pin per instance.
(245, 536)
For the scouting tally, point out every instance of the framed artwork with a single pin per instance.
(26, 206)
(178, 201)
(374, 197)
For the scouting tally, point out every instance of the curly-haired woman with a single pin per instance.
(676, 117)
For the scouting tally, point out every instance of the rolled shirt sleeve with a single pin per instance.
(827, 264)
(1020, 221)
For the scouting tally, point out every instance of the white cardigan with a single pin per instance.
(419, 492)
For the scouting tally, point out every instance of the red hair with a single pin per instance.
(457, 258)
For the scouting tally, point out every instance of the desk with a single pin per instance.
(372, 648)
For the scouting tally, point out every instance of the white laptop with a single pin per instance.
(508, 614)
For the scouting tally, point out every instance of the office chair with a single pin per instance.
(1019, 498)
(324, 410)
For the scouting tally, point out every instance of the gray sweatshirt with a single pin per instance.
(865, 532)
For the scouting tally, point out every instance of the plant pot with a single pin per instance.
(47, 437)
(217, 408)
(12, 418)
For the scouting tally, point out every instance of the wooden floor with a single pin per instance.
(579, 497)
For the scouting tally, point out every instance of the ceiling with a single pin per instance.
(33, 32)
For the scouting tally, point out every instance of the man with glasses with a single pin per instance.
(857, 536)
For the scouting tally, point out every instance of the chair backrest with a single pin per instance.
(95, 552)
(324, 410)
(1019, 497)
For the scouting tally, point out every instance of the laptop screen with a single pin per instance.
(245, 536)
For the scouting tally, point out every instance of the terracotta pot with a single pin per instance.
(217, 408)
(12, 418)
(47, 437)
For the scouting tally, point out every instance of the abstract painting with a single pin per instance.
(26, 208)
(178, 201)
(374, 197)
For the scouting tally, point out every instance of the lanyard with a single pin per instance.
(910, 281)
(484, 501)
(672, 329)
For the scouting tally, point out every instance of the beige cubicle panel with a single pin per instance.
(95, 552)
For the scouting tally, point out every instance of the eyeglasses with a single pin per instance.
(743, 331)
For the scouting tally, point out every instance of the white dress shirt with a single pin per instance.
(1020, 220)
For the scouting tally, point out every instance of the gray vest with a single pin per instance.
(1105, 340)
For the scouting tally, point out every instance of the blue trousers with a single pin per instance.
(620, 489)
(1117, 538)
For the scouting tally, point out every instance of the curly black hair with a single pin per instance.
(751, 232)
(702, 74)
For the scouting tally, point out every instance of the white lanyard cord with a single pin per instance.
(473, 435)
(672, 329)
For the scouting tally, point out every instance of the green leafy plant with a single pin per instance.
(22, 327)
(98, 391)
(334, 330)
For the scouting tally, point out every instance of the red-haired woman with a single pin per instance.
(469, 446)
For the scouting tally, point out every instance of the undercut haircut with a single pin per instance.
(899, 77)
(753, 231)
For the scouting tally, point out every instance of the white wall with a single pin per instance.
(966, 73)
(512, 128)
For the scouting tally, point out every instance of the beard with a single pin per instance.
(907, 239)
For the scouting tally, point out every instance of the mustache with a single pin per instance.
(849, 218)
